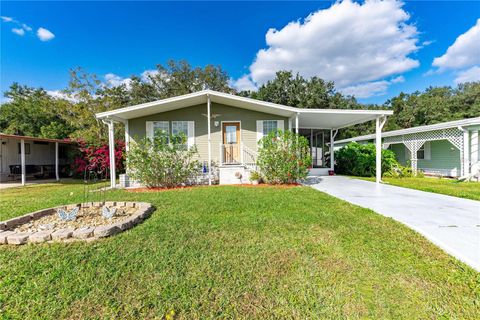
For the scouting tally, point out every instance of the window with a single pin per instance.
(161, 128)
(27, 148)
(269, 126)
(180, 128)
(421, 153)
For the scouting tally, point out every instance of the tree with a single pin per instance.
(299, 92)
(32, 112)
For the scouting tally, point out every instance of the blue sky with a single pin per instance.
(373, 50)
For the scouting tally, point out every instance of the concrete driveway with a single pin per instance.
(451, 223)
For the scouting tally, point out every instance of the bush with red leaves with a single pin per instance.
(96, 158)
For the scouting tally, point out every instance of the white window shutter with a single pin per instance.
(149, 129)
(427, 151)
(191, 134)
(259, 130)
(280, 125)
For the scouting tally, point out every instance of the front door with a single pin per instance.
(231, 142)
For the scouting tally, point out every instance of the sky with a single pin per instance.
(371, 49)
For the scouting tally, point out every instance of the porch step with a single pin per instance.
(234, 174)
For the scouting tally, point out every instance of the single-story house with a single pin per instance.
(226, 128)
(24, 157)
(447, 149)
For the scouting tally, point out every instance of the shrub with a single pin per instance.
(359, 160)
(283, 157)
(255, 176)
(158, 163)
(403, 172)
(97, 158)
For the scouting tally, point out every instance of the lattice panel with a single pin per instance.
(416, 140)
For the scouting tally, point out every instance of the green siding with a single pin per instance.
(248, 118)
(443, 156)
(400, 153)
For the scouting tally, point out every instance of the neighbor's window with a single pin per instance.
(421, 153)
(180, 128)
(269, 126)
(27, 148)
(161, 128)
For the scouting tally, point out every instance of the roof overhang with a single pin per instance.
(28, 138)
(308, 118)
(464, 123)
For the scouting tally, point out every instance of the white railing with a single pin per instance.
(237, 154)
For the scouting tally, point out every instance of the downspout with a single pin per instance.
(333, 134)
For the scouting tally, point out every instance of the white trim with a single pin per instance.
(57, 176)
(259, 130)
(438, 126)
(191, 134)
(22, 160)
(209, 137)
(127, 136)
(202, 96)
(149, 130)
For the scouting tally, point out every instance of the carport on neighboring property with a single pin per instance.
(451, 223)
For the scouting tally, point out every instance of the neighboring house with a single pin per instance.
(23, 157)
(229, 140)
(448, 149)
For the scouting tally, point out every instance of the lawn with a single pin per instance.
(468, 190)
(233, 252)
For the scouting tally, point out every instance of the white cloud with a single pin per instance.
(464, 52)
(26, 27)
(349, 43)
(398, 79)
(243, 83)
(145, 76)
(113, 80)
(469, 75)
(59, 94)
(44, 34)
(20, 31)
(366, 90)
(6, 19)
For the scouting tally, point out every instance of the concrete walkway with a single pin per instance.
(451, 223)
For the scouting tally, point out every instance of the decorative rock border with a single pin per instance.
(8, 236)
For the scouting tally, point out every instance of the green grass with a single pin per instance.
(234, 252)
(468, 190)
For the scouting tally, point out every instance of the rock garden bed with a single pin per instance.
(83, 221)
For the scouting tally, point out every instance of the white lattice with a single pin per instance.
(414, 141)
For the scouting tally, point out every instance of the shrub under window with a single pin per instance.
(283, 157)
(163, 161)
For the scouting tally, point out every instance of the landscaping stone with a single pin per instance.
(4, 235)
(83, 233)
(106, 231)
(18, 238)
(62, 234)
(41, 236)
(45, 225)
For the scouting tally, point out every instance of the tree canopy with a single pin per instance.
(32, 111)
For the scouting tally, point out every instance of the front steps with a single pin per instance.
(234, 174)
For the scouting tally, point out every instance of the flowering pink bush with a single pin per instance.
(96, 158)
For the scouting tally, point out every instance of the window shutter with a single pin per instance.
(280, 125)
(191, 134)
(259, 130)
(427, 150)
(149, 129)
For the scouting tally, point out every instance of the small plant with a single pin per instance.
(158, 163)
(283, 157)
(255, 175)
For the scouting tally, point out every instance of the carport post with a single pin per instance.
(57, 176)
(209, 138)
(111, 145)
(22, 160)
(379, 122)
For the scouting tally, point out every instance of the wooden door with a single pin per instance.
(231, 142)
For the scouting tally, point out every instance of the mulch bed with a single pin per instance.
(262, 185)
